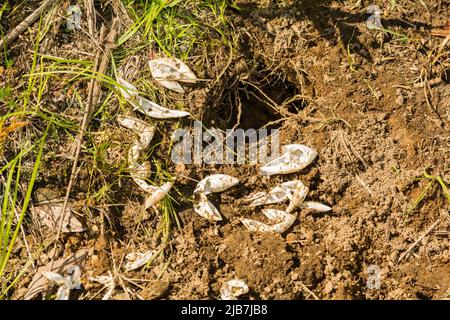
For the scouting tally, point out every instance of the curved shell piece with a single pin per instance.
(169, 71)
(278, 194)
(295, 157)
(136, 260)
(207, 210)
(127, 90)
(145, 106)
(282, 222)
(316, 206)
(67, 283)
(108, 282)
(154, 110)
(144, 130)
(139, 172)
(158, 194)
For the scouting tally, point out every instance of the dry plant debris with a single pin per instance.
(170, 71)
(233, 289)
(366, 87)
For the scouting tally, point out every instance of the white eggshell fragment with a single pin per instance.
(207, 210)
(316, 206)
(278, 194)
(154, 110)
(108, 282)
(169, 71)
(158, 195)
(139, 172)
(232, 289)
(300, 193)
(127, 90)
(211, 184)
(67, 283)
(145, 106)
(281, 219)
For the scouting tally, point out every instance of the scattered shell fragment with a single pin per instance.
(169, 71)
(52, 213)
(281, 219)
(216, 183)
(316, 206)
(374, 21)
(139, 172)
(207, 210)
(145, 106)
(135, 260)
(295, 157)
(40, 283)
(73, 18)
(298, 200)
(278, 194)
(232, 289)
(108, 282)
(128, 91)
(154, 110)
(211, 184)
(67, 283)
(158, 195)
(300, 193)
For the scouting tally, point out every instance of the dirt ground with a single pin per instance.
(376, 107)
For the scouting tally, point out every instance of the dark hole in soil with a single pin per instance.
(446, 75)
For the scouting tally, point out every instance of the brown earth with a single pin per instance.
(376, 127)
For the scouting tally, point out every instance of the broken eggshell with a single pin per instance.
(154, 110)
(67, 283)
(295, 157)
(108, 282)
(207, 210)
(136, 260)
(139, 172)
(278, 194)
(216, 183)
(298, 197)
(211, 184)
(52, 213)
(145, 106)
(232, 289)
(316, 206)
(158, 195)
(374, 20)
(281, 220)
(169, 71)
(127, 90)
